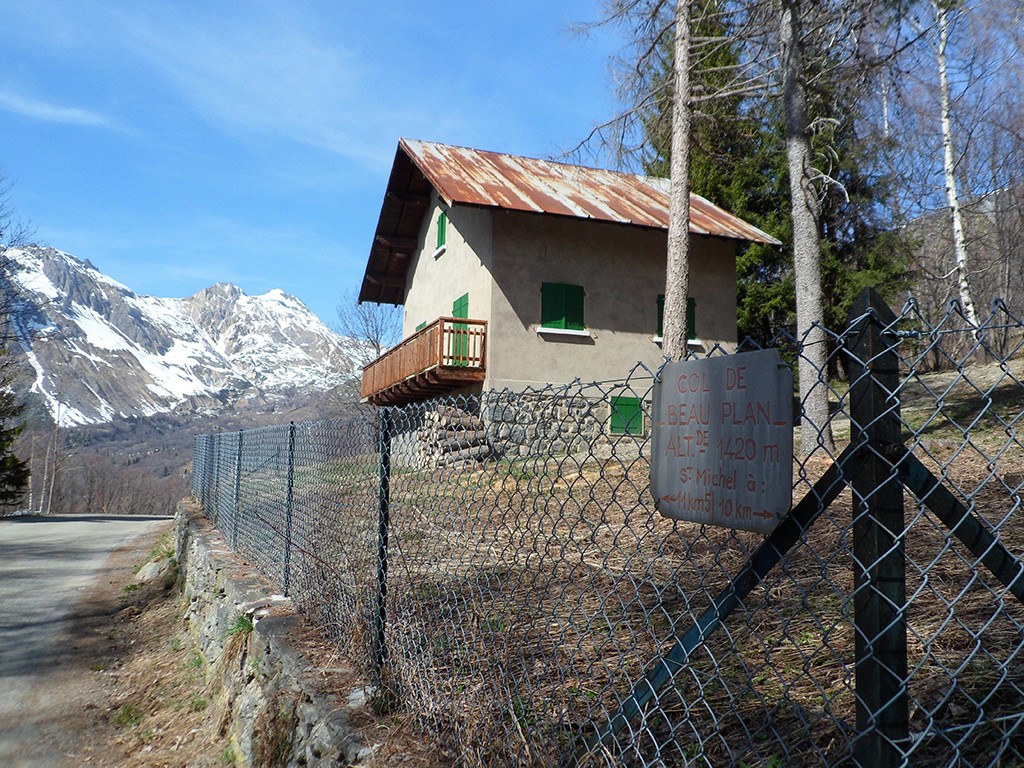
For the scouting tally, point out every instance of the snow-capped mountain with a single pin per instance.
(98, 350)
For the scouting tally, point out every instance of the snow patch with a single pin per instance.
(150, 354)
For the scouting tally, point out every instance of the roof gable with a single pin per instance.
(496, 180)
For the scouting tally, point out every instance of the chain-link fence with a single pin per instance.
(497, 564)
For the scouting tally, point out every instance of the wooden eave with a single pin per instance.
(397, 236)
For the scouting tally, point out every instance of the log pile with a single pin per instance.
(450, 436)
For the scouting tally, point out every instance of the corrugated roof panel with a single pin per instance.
(493, 179)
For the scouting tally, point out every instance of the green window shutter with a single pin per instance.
(627, 416)
(574, 307)
(562, 306)
(460, 335)
(552, 305)
(691, 317)
(442, 229)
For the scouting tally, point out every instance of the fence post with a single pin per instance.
(879, 600)
(383, 524)
(288, 508)
(194, 484)
(211, 473)
(204, 490)
(216, 479)
(238, 488)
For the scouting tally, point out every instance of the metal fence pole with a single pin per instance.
(193, 485)
(288, 508)
(216, 479)
(238, 488)
(879, 603)
(208, 472)
(383, 523)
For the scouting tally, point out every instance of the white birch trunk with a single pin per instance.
(816, 432)
(31, 473)
(949, 169)
(46, 475)
(53, 471)
(677, 271)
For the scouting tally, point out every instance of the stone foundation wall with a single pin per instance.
(542, 424)
(268, 693)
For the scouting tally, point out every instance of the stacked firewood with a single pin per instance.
(451, 435)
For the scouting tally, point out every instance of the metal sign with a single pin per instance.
(722, 442)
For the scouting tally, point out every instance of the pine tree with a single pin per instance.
(738, 162)
(14, 472)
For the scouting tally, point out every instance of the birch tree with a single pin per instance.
(957, 129)
(784, 48)
(949, 163)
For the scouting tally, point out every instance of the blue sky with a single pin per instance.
(179, 144)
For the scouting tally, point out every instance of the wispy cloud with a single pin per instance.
(51, 113)
(307, 73)
(267, 73)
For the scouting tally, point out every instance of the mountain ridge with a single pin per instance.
(95, 350)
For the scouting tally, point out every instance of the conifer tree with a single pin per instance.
(14, 471)
(738, 161)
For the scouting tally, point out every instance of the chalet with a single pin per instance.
(516, 272)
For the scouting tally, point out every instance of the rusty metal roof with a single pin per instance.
(492, 179)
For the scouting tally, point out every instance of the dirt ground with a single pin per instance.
(137, 694)
(136, 691)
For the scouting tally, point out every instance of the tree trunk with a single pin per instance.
(677, 271)
(54, 468)
(949, 169)
(46, 476)
(32, 472)
(816, 432)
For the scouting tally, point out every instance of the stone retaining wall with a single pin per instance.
(266, 691)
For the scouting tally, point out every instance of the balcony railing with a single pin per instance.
(447, 354)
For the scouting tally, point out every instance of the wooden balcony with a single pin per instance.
(448, 354)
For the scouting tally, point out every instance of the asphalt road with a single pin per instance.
(47, 565)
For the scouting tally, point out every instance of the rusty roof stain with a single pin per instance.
(497, 180)
(494, 179)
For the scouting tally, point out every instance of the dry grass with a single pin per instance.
(528, 596)
(150, 682)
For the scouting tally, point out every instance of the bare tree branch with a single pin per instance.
(376, 326)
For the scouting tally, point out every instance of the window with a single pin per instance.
(442, 230)
(691, 318)
(562, 306)
(627, 416)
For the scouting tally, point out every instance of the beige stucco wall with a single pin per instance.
(622, 271)
(462, 268)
